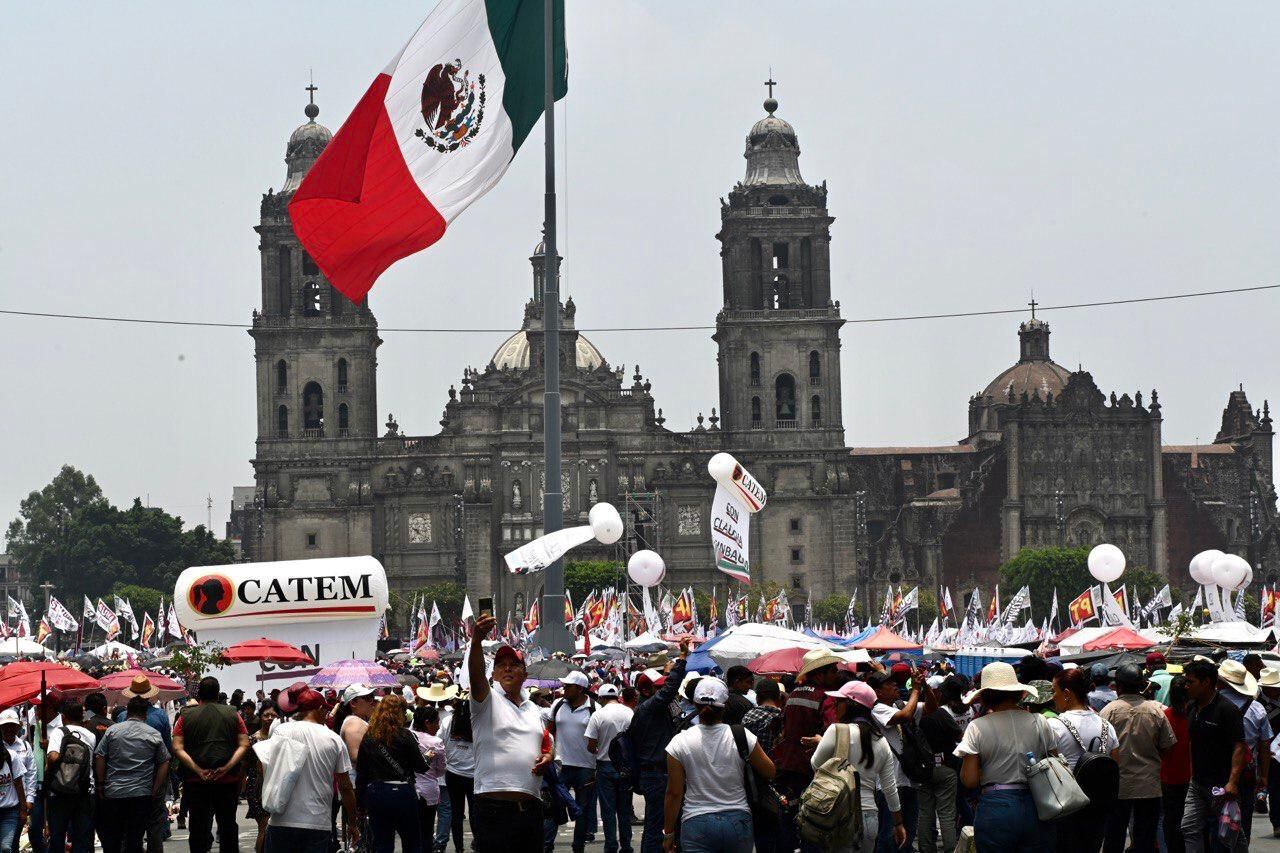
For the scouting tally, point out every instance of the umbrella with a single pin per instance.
(15, 646)
(344, 673)
(265, 651)
(553, 669)
(113, 648)
(23, 681)
(789, 661)
(116, 682)
(428, 655)
(408, 680)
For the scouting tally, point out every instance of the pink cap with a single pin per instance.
(856, 691)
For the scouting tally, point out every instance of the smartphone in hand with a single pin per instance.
(486, 605)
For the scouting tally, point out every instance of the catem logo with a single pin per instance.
(210, 595)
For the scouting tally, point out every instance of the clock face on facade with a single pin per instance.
(419, 528)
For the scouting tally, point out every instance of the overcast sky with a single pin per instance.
(974, 153)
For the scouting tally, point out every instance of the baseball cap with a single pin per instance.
(577, 679)
(710, 691)
(1099, 670)
(608, 691)
(651, 676)
(1155, 659)
(856, 691)
(355, 691)
(900, 669)
(9, 717)
(508, 652)
(879, 679)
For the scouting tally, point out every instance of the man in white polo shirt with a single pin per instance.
(613, 777)
(567, 722)
(512, 751)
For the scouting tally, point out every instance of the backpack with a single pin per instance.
(622, 755)
(70, 777)
(830, 813)
(555, 709)
(1096, 771)
(916, 757)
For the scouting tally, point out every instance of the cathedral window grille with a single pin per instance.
(784, 392)
(815, 409)
(284, 275)
(690, 520)
(282, 422)
(797, 556)
(335, 301)
(755, 412)
(815, 366)
(313, 410)
(755, 368)
(342, 374)
(282, 377)
(343, 420)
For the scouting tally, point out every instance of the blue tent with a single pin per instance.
(828, 638)
(700, 659)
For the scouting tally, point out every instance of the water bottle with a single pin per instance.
(1031, 760)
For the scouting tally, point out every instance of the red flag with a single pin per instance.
(531, 620)
(994, 609)
(1082, 608)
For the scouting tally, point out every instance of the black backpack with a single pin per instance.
(70, 776)
(1096, 771)
(916, 757)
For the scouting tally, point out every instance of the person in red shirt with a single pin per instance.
(803, 724)
(1175, 767)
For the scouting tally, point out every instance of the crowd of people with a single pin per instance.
(886, 756)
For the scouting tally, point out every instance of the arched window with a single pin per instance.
(343, 421)
(282, 377)
(312, 303)
(815, 366)
(282, 422)
(284, 275)
(342, 374)
(784, 393)
(312, 407)
(755, 368)
(755, 410)
(815, 409)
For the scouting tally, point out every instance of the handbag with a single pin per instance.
(761, 796)
(1053, 786)
(282, 760)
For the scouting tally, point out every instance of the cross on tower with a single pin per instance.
(311, 91)
(1033, 304)
(771, 82)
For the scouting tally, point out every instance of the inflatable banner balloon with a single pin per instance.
(737, 496)
(1106, 563)
(605, 527)
(1202, 566)
(1231, 571)
(646, 568)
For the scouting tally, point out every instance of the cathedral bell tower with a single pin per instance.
(779, 331)
(317, 399)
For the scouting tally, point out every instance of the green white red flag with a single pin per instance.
(435, 131)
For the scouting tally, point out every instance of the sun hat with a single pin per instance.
(855, 691)
(816, 659)
(999, 675)
(608, 691)
(437, 692)
(1239, 679)
(710, 691)
(141, 687)
(577, 679)
(1269, 677)
(355, 691)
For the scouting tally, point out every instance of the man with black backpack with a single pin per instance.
(1145, 736)
(68, 781)
(210, 741)
(912, 755)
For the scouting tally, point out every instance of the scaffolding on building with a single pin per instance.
(642, 514)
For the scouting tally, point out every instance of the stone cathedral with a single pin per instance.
(1048, 457)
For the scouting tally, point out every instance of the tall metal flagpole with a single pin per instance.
(555, 636)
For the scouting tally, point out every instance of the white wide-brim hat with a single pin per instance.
(1234, 675)
(1000, 676)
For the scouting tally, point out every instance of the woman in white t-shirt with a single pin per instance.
(1075, 729)
(706, 790)
(993, 751)
(869, 756)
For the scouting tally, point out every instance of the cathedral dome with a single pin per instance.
(1035, 373)
(773, 150)
(305, 146)
(514, 353)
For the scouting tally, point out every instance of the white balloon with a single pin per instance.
(1231, 571)
(606, 524)
(1202, 566)
(1106, 563)
(646, 568)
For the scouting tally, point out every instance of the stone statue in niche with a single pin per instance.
(593, 492)
(516, 500)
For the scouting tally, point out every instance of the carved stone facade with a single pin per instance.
(1049, 457)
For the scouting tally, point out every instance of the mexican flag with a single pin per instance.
(434, 132)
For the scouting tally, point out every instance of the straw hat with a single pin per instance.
(816, 659)
(437, 692)
(1269, 677)
(999, 676)
(141, 686)
(1234, 675)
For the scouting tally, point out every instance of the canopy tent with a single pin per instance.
(15, 646)
(1119, 638)
(743, 643)
(883, 640)
(1075, 644)
(827, 638)
(1225, 633)
(114, 648)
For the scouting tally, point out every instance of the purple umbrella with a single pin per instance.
(347, 672)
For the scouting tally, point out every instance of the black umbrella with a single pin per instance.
(550, 670)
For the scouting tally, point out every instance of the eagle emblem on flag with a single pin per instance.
(452, 107)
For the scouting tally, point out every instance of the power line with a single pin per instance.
(860, 320)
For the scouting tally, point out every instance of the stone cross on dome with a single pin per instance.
(770, 104)
(311, 109)
(1033, 305)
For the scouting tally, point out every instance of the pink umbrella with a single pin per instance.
(344, 673)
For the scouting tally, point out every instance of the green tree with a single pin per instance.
(143, 598)
(192, 662)
(71, 536)
(1067, 569)
(583, 576)
(831, 610)
(447, 595)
